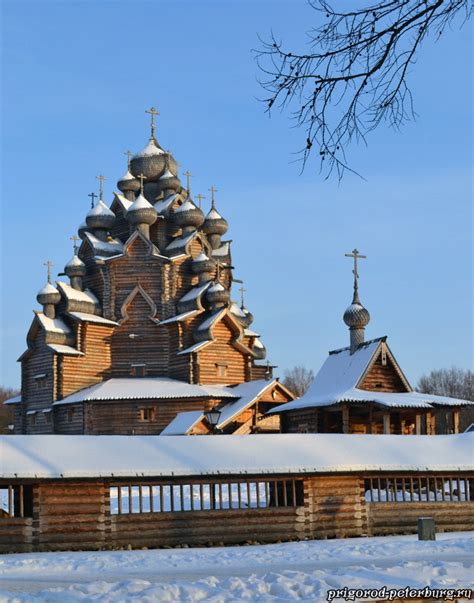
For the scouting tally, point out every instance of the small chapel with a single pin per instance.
(361, 389)
(140, 334)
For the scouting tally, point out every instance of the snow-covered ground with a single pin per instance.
(293, 571)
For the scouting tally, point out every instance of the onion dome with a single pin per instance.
(215, 223)
(202, 264)
(169, 181)
(141, 212)
(188, 216)
(217, 295)
(100, 216)
(356, 316)
(151, 161)
(82, 230)
(75, 267)
(259, 350)
(48, 295)
(248, 320)
(128, 183)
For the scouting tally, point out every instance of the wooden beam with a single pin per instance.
(345, 419)
(386, 422)
(456, 421)
(418, 424)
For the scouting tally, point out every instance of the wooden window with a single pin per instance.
(40, 380)
(221, 369)
(70, 415)
(183, 497)
(147, 414)
(47, 416)
(138, 370)
(31, 417)
(16, 501)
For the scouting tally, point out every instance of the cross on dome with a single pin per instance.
(188, 175)
(152, 111)
(92, 196)
(141, 177)
(101, 179)
(49, 264)
(213, 190)
(75, 239)
(200, 198)
(356, 255)
(242, 291)
(129, 155)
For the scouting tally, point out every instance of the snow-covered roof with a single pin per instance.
(182, 423)
(123, 200)
(14, 400)
(181, 242)
(342, 373)
(167, 174)
(76, 295)
(141, 388)
(100, 209)
(52, 325)
(202, 257)
(82, 456)
(250, 333)
(127, 176)
(258, 344)
(150, 149)
(248, 393)
(67, 350)
(223, 250)
(180, 317)
(194, 293)
(163, 205)
(109, 247)
(236, 310)
(206, 324)
(75, 261)
(195, 347)
(84, 317)
(216, 287)
(140, 203)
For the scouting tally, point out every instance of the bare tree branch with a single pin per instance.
(355, 75)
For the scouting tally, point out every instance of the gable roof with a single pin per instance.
(342, 373)
(248, 392)
(183, 423)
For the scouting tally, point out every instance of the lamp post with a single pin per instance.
(212, 417)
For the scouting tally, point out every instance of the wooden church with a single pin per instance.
(144, 334)
(361, 389)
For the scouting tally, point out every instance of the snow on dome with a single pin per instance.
(100, 209)
(167, 175)
(216, 287)
(213, 215)
(202, 257)
(188, 205)
(48, 289)
(150, 149)
(127, 176)
(75, 261)
(236, 310)
(140, 203)
(258, 344)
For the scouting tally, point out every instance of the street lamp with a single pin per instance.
(212, 417)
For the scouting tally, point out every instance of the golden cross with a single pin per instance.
(75, 238)
(101, 179)
(356, 255)
(200, 198)
(188, 176)
(213, 190)
(129, 155)
(152, 111)
(242, 291)
(49, 264)
(141, 177)
(92, 196)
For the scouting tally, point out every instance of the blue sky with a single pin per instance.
(77, 77)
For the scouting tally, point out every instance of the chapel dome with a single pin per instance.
(48, 295)
(202, 264)
(215, 223)
(100, 216)
(151, 161)
(128, 183)
(81, 231)
(217, 294)
(168, 180)
(141, 212)
(356, 316)
(75, 267)
(188, 215)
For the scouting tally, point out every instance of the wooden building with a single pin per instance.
(96, 492)
(361, 389)
(145, 328)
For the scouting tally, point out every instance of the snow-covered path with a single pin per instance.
(301, 571)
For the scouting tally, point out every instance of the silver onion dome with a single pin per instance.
(82, 230)
(128, 183)
(141, 212)
(188, 216)
(169, 181)
(217, 295)
(215, 223)
(100, 216)
(75, 267)
(356, 316)
(259, 350)
(48, 295)
(151, 161)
